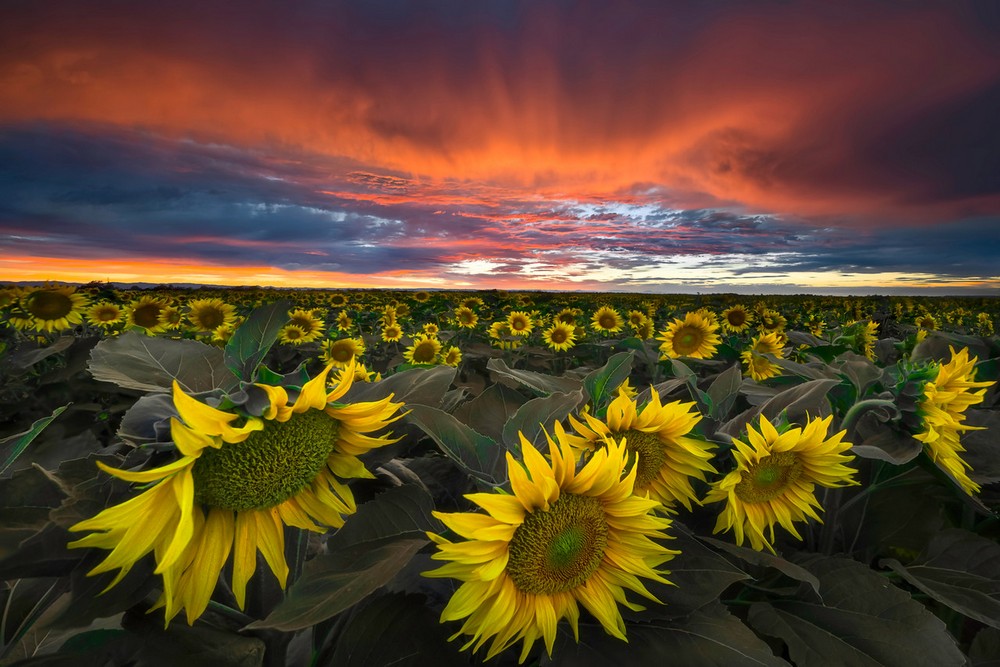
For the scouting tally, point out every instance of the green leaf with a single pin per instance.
(709, 637)
(961, 570)
(858, 369)
(724, 391)
(13, 446)
(253, 339)
(799, 402)
(600, 385)
(417, 386)
(474, 452)
(151, 364)
(140, 422)
(394, 629)
(985, 649)
(26, 358)
(402, 511)
(540, 383)
(863, 620)
(337, 581)
(488, 412)
(826, 352)
(537, 416)
(765, 559)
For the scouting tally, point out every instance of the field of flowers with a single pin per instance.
(252, 476)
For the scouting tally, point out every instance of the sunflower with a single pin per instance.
(238, 482)
(344, 321)
(431, 329)
(210, 314)
(560, 336)
(309, 322)
(736, 319)
(668, 458)
(224, 333)
(341, 352)
(771, 321)
(452, 356)
(775, 478)
(694, 336)
(290, 334)
(421, 296)
(471, 302)
(425, 350)
(945, 400)
(607, 320)
(104, 314)
(926, 321)
(520, 323)
(391, 333)
(337, 300)
(144, 313)
(388, 316)
(637, 318)
(53, 307)
(760, 367)
(170, 318)
(465, 318)
(567, 315)
(562, 539)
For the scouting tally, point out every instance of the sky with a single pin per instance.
(643, 146)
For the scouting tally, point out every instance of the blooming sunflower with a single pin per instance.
(144, 313)
(736, 319)
(637, 318)
(391, 333)
(520, 323)
(239, 480)
(210, 314)
(309, 322)
(341, 352)
(771, 321)
(667, 457)
(54, 307)
(421, 296)
(465, 318)
(926, 321)
(291, 334)
(471, 302)
(431, 329)
(760, 367)
(344, 322)
(567, 315)
(425, 350)
(694, 336)
(775, 477)
(560, 336)
(452, 356)
(562, 539)
(945, 400)
(104, 314)
(337, 300)
(607, 320)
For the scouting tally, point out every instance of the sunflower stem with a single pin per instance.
(854, 413)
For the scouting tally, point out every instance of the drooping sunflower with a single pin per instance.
(425, 350)
(307, 320)
(144, 313)
(775, 479)
(945, 400)
(209, 314)
(562, 539)
(519, 323)
(694, 336)
(736, 319)
(758, 366)
(54, 307)
(238, 482)
(668, 458)
(607, 320)
(560, 336)
(104, 314)
(341, 352)
(466, 318)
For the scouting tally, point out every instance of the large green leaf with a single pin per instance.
(253, 339)
(474, 452)
(960, 570)
(13, 446)
(537, 416)
(488, 412)
(417, 386)
(151, 364)
(985, 649)
(600, 385)
(709, 637)
(25, 358)
(540, 383)
(394, 629)
(862, 620)
(765, 559)
(724, 391)
(403, 511)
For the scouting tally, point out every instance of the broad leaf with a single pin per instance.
(863, 620)
(151, 364)
(488, 412)
(600, 385)
(474, 452)
(765, 559)
(403, 511)
(709, 637)
(961, 570)
(26, 358)
(13, 446)
(985, 649)
(417, 386)
(724, 391)
(537, 416)
(540, 383)
(147, 419)
(253, 339)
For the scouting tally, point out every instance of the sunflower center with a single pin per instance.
(50, 305)
(651, 453)
(147, 315)
(342, 353)
(736, 318)
(608, 321)
(210, 318)
(106, 314)
(424, 353)
(558, 550)
(687, 340)
(769, 478)
(558, 336)
(269, 467)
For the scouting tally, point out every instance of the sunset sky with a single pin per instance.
(769, 146)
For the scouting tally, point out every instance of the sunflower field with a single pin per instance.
(254, 476)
